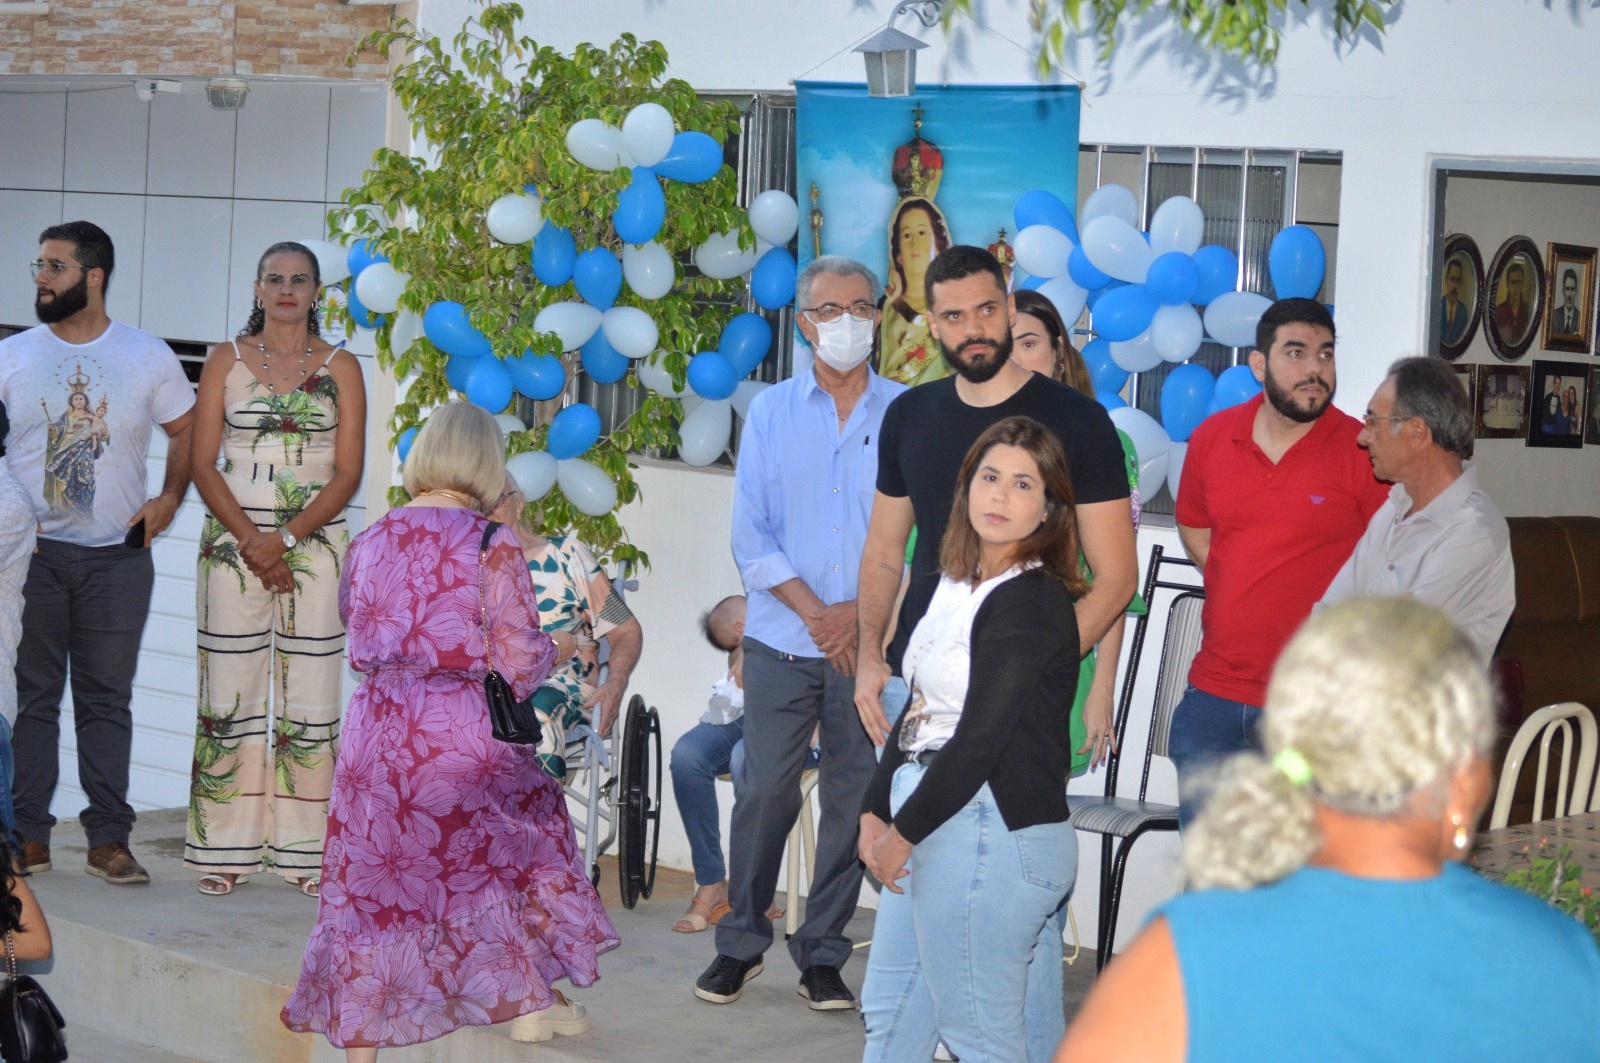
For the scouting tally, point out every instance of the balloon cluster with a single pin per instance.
(1144, 291)
(609, 338)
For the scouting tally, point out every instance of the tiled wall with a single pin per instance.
(300, 38)
(191, 197)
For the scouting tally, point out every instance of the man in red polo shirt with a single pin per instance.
(1275, 495)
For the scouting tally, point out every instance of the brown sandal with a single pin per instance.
(699, 920)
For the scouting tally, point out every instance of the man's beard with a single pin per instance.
(65, 304)
(1283, 402)
(972, 370)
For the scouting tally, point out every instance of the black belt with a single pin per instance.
(924, 758)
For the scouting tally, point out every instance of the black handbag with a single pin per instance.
(30, 1025)
(511, 720)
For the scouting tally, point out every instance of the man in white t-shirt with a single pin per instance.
(82, 392)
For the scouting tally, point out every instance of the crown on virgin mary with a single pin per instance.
(918, 164)
(77, 381)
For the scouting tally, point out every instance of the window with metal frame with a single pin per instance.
(1248, 196)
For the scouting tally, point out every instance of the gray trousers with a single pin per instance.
(83, 606)
(784, 698)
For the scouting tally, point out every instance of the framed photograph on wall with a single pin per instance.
(1569, 299)
(1469, 383)
(1501, 401)
(1515, 298)
(1460, 295)
(1559, 395)
(1591, 432)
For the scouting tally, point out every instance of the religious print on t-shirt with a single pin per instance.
(75, 440)
(81, 420)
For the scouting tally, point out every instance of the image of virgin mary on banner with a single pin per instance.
(894, 182)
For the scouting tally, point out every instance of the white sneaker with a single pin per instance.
(566, 1019)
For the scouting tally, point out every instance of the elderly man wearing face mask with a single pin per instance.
(808, 459)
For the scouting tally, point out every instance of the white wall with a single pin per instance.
(190, 197)
(1471, 79)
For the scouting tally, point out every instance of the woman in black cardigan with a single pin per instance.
(965, 823)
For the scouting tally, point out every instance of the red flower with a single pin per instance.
(309, 386)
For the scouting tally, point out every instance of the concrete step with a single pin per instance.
(89, 1044)
(203, 978)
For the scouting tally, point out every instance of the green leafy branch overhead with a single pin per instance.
(1248, 31)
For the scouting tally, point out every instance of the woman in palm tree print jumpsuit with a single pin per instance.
(287, 412)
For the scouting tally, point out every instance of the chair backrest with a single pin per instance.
(1563, 718)
(1179, 645)
(1177, 654)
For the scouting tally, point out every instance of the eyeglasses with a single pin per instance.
(1371, 419)
(505, 495)
(829, 312)
(51, 268)
(300, 282)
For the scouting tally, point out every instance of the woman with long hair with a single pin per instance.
(907, 351)
(1331, 916)
(454, 893)
(1040, 343)
(965, 823)
(287, 411)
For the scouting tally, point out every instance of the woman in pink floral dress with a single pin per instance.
(453, 893)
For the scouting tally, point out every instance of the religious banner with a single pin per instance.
(893, 182)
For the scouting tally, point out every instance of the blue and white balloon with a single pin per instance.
(572, 322)
(587, 487)
(630, 330)
(647, 133)
(573, 431)
(1232, 317)
(1176, 332)
(648, 269)
(705, 432)
(1177, 225)
(514, 218)
(534, 471)
(1117, 248)
(1042, 250)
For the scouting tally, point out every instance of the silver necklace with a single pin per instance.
(300, 367)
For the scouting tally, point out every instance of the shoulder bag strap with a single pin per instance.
(483, 608)
(11, 956)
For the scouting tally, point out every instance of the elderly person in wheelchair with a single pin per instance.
(576, 608)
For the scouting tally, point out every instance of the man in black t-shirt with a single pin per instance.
(925, 435)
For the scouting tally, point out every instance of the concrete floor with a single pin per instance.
(161, 974)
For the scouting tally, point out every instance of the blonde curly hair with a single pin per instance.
(1378, 700)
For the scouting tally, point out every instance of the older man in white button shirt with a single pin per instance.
(1438, 538)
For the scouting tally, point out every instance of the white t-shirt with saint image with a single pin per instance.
(81, 416)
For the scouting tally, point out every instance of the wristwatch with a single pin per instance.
(288, 538)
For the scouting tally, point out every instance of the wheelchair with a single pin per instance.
(613, 786)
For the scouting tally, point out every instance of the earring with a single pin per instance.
(258, 302)
(1460, 838)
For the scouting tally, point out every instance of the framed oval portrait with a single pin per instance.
(1460, 295)
(1513, 298)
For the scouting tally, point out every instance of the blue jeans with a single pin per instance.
(706, 751)
(1207, 730)
(952, 956)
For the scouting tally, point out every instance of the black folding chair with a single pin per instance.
(1127, 818)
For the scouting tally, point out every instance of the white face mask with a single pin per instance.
(845, 343)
